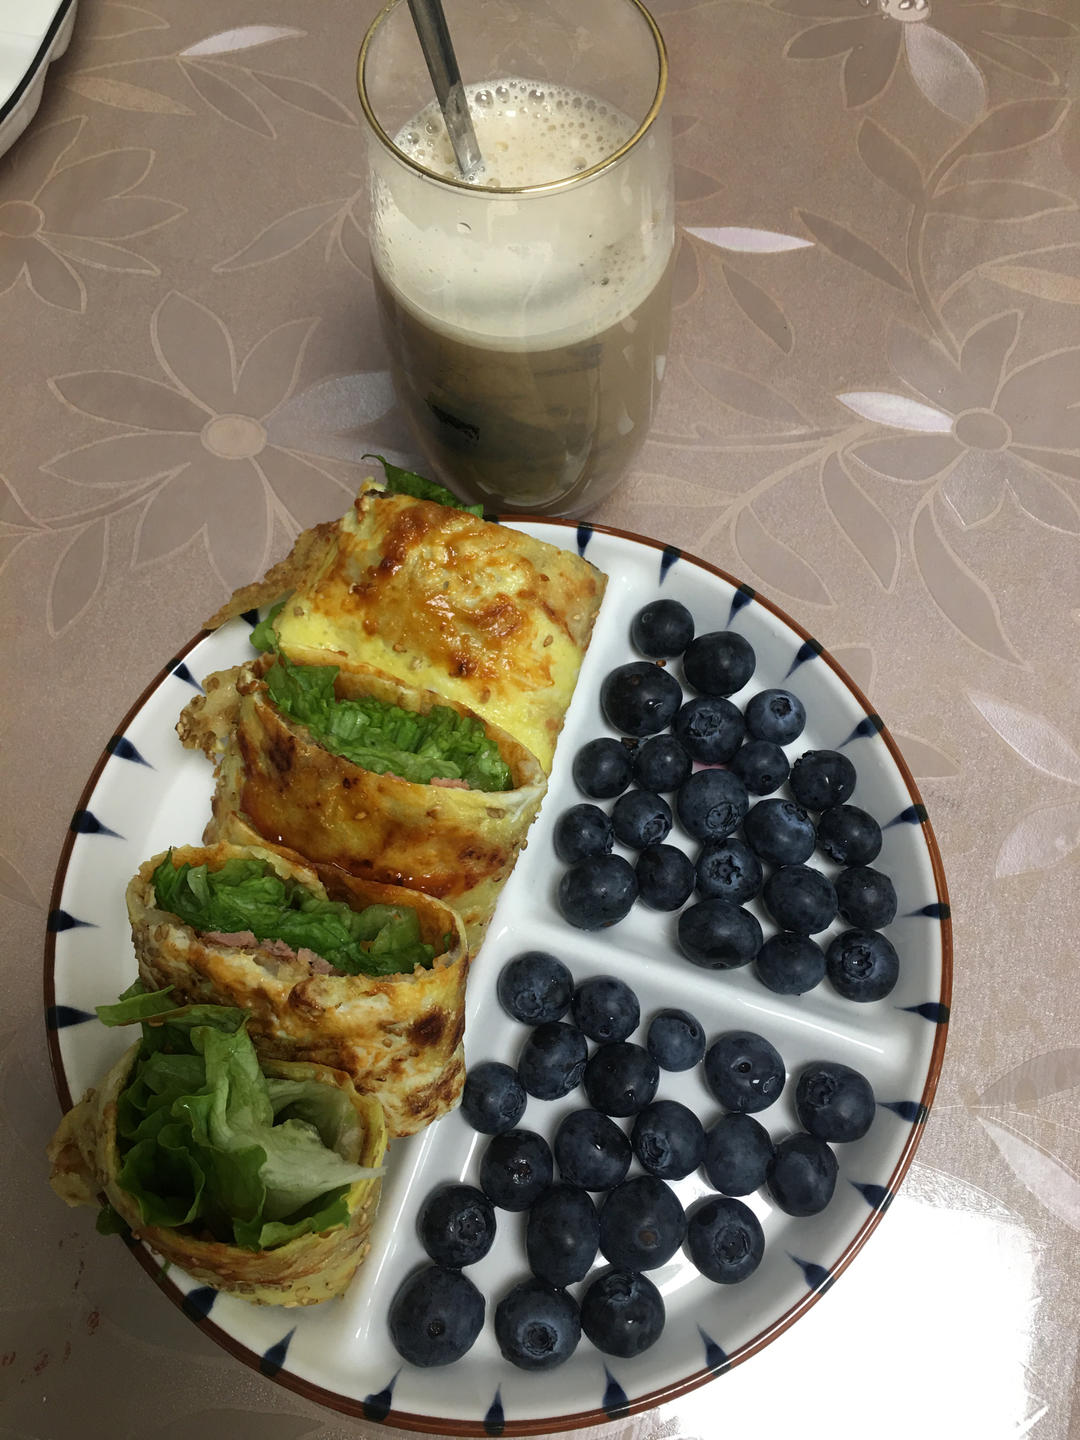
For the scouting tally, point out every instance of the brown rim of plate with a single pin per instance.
(431, 1425)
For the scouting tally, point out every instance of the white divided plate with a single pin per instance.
(147, 793)
(33, 33)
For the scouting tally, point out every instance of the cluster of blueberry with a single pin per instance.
(719, 762)
(438, 1312)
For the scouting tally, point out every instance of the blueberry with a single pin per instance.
(582, 830)
(775, 715)
(790, 964)
(552, 1060)
(719, 663)
(661, 764)
(743, 1071)
(728, 870)
(515, 1169)
(717, 935)
(621, 1078)
(665, 877)
(800, 898)
(834, 1102)
(668, 1139)
(802, 1175)
(822, 778)
(591, 1150)
(456, 1225)
(562, 1235)
(435, 1316)
(602, 768)
(662, 629)
(780, 832)
(712, 803)
(536, 1327)
(710, 729)
(640, 698)
(605, 1008)
(640, 818)
(642, 1223)
(862, 965)
(494, 1098)
(737, 1154)
(848, 835)
(675, 1040)
(761, 766)
(725, 1240)
(622, 1313)
(865, 898)
(597, 892)
(534, 987)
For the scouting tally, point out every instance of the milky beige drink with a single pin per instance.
(527, 312)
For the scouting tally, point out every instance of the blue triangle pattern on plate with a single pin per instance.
(931, 1010)
(83, 822)
(584, 535)
(198, 1303)
(910, 1110)
(936, 911)
(742, 597)
(59, 1017)
(272, 1360)
(715, 1358)
(913, 815)
(377, 1405)
(123, 749)
(669, 555)
(878, 1197)
(495, 1419)
(615, 1400)
(808, 650)
(182, 672)
(60, 920)
(816, 1276)
(869, 725)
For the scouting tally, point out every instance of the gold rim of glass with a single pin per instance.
(548, 186)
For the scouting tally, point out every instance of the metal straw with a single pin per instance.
(430, 22)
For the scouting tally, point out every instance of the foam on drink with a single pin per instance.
(531, 270)
(529, 133)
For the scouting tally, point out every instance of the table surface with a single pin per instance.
(871, 414)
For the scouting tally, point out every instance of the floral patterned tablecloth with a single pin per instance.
(871, 414)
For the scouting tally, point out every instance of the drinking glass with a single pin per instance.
(526, 312)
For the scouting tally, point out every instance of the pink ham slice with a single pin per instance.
(241, 939)
(275, 949)
(318, 965)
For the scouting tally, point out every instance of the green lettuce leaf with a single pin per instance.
(408, 482)
(207, 1141)
(136, 1004)
(386, 738)
(248, 895)
(111, 1222)
(323, 1107)
(264, 635)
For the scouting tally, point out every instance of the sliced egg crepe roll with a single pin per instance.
(352, 768)
(259, 1177)
(478, 612)
(340, 971)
